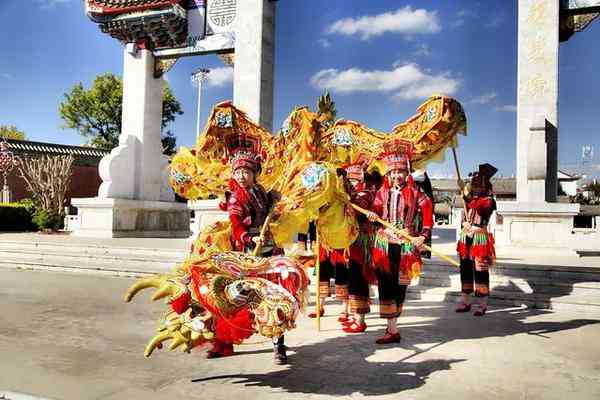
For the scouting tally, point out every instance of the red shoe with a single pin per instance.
(314, 314)
(389, 338)
(227, 350)
(215, 352)
(343, 317)
(480, 312)
(463, 308)
(355, 328)
(350, 321)
(220, 349)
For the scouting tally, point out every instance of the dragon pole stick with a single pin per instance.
(318, 283)
(406, 235)
(456, 163)
(459, 179)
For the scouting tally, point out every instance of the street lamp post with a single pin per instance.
(198, 77)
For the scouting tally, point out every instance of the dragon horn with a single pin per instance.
(194, 336)
(178, 340)
(166, 289)
(155, 341)
(186, 348)
(141, 284)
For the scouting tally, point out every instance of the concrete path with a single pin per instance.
(68, 336)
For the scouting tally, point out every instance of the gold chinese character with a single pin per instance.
(536, 86)
(537, 12)
(537, 51)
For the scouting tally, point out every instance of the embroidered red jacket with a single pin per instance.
(404, 208)
(248, 209)
(479, 210)
(477, 241)
(362, 197)
(360, 249)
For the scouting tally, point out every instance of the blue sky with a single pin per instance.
(380, 59)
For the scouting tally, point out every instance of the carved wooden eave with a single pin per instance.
(162, 66)
(570, 24)
(160, 23)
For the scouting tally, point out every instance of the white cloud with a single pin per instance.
(462, 16)
(406, 21)
(484, 98)
(218, 77)
(51, 3)
(506, 108)
(422, 50)
(324, 43)
(404, 82)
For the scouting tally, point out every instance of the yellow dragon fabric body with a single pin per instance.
(216, 285)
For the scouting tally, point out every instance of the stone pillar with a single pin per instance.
(254, 60)
(537, 100)
(133, 170)
(535, 219)
(135, 198)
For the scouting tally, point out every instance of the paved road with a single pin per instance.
(70, 337)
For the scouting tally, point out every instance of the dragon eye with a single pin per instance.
(280, 316)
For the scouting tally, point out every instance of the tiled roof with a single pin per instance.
(116, 4)
(501, 185)
(25, 146)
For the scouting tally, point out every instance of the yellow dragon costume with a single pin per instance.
(219, 292)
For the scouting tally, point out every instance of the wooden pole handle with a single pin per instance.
(406, 235)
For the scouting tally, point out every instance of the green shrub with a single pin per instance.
(28, 204)
(16, 217)
(44, 220)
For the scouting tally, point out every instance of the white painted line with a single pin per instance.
(18, 396)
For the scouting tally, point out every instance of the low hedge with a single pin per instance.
(16, 217)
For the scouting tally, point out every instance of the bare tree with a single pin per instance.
(47, 178)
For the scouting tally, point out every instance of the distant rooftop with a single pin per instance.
(502, 186)
(29, 147)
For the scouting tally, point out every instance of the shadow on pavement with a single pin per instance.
(341, 366)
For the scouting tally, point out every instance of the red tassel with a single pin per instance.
(181, 303)
(235, 329)
(492, 247)
(337, 257)
(409, 262)
(477, 251)
(461, 249)
(381, 260)
(357, 254)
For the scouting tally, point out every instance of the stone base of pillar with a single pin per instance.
(206, 212)
(535, 224)
(111, 218)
